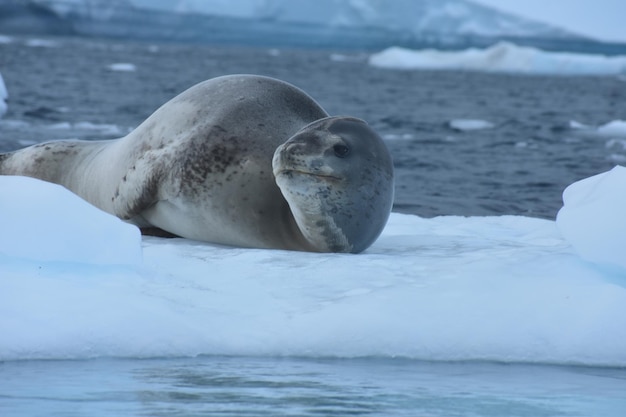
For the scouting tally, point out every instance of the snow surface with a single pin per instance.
(470, 124)
(3, 96)
(42, 222)
(501, 57)
(450, 288)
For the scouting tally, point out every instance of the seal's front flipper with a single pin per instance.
(137, 191)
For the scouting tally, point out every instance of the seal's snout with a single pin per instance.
(308, 152)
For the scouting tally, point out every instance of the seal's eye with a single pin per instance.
(341, 151)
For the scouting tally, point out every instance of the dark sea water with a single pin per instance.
(241, 386)
(64, 88)
(520, 166)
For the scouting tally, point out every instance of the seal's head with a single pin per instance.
(337, 176)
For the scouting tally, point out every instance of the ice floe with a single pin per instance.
(470, 124)
(4, 95)
(501, 57)
(501, 288)
(122, 67)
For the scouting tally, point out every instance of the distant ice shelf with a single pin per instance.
(406, 16)
(337, 24)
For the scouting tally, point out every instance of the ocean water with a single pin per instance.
(67, 88)
(249, 386)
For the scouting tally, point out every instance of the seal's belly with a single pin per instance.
(241, 212)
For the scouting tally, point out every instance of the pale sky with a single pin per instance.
(601, 19)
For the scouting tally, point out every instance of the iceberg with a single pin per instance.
(3, 97)
(500, 57)
(501, 288)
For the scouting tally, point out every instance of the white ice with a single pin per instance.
(470, 124)
(574, 124)
(42, 222)
(614, 128)
(3, 97)
(594, 215)
(450, 288)
(614, 132)
(501, 57)
(41, 43)
(363, 21)
(435, 18)
(122, 67)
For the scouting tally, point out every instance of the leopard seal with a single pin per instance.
(239, 160)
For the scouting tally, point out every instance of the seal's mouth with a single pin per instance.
(283, 166)
(293, 172)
